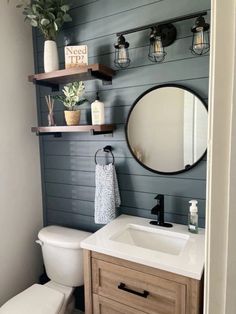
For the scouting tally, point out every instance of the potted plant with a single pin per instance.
(48, 16)
(72, 98)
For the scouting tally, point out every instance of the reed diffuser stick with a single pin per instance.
(50, 103)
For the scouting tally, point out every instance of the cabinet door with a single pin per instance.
(103, 305)
(144, 292)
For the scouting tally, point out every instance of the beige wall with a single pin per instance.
(20, 187)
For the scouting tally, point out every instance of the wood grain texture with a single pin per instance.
(164, 297)
(185, 293)
(67, 162)
(88, 282)
(102, 305)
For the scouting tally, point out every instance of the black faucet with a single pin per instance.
(159, 211)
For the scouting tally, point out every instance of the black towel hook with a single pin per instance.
(106, 149)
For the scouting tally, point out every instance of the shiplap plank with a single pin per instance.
(172, 204)
(132, 200)
(123, 166)
(71, 205)
(72, 220)
(79, 3)
(149, 184)
(70, 191)
(180, 219)
(76, 148)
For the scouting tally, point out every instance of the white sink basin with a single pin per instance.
(152, 239)
(134, 239)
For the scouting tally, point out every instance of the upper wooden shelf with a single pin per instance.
(82, 73)
(93, 129)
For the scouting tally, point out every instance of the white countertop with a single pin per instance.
(189, 262)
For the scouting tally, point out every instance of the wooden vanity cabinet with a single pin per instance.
(117, 286)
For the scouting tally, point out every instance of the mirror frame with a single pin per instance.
(130, 112)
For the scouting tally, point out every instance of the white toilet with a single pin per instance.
(63, 259)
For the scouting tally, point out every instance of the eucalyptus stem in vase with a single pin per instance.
(48, 16)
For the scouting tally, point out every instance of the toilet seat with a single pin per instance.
(37, 299)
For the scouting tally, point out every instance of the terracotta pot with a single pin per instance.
(51, 62)
(72, 117)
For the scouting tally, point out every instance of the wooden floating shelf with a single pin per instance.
(81, 73)
(57, 130)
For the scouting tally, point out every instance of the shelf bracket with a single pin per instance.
(92, 132)
(56, 134)
(106, 80)
(54, 87)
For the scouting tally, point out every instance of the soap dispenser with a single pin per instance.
(193, 217)
(97, 111)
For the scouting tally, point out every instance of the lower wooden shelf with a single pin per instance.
(57, 130)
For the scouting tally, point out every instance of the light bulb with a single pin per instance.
(122, 55)
(200, 42)
(158, 49)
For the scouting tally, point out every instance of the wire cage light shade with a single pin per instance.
(122, 59)
(156, 49)
(200, 40)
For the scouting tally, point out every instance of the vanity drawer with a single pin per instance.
(102, 305)
(144, 292)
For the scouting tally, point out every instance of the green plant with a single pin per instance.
(47, 15)
(72, 95)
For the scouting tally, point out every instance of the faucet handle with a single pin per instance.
(160, 200)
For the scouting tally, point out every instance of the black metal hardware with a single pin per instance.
(159, 211)
(170, 21)
(106, 149)
(54, 87)
(55, 134)
(144, 294)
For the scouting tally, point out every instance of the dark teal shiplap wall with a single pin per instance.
(68, 162)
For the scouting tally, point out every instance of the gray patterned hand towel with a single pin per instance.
(107, 195)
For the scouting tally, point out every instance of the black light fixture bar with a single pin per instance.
(170, 21)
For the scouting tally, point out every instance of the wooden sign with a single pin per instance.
(75, 56)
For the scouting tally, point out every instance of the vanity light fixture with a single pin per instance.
(122, 59)
(200, 42)
(163, 34)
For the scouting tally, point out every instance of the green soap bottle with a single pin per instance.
(193, 217)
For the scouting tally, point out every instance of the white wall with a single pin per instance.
(220, 286)
(20, 187)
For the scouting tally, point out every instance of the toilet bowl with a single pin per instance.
(63, 259)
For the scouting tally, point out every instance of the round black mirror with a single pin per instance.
(166, 129)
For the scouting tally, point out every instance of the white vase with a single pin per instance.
(51, 62)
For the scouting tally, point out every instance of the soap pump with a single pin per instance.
(193, 217)
(97, 110)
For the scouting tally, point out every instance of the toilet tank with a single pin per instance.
(62, 254)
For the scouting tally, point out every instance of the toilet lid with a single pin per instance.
(37, 299)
